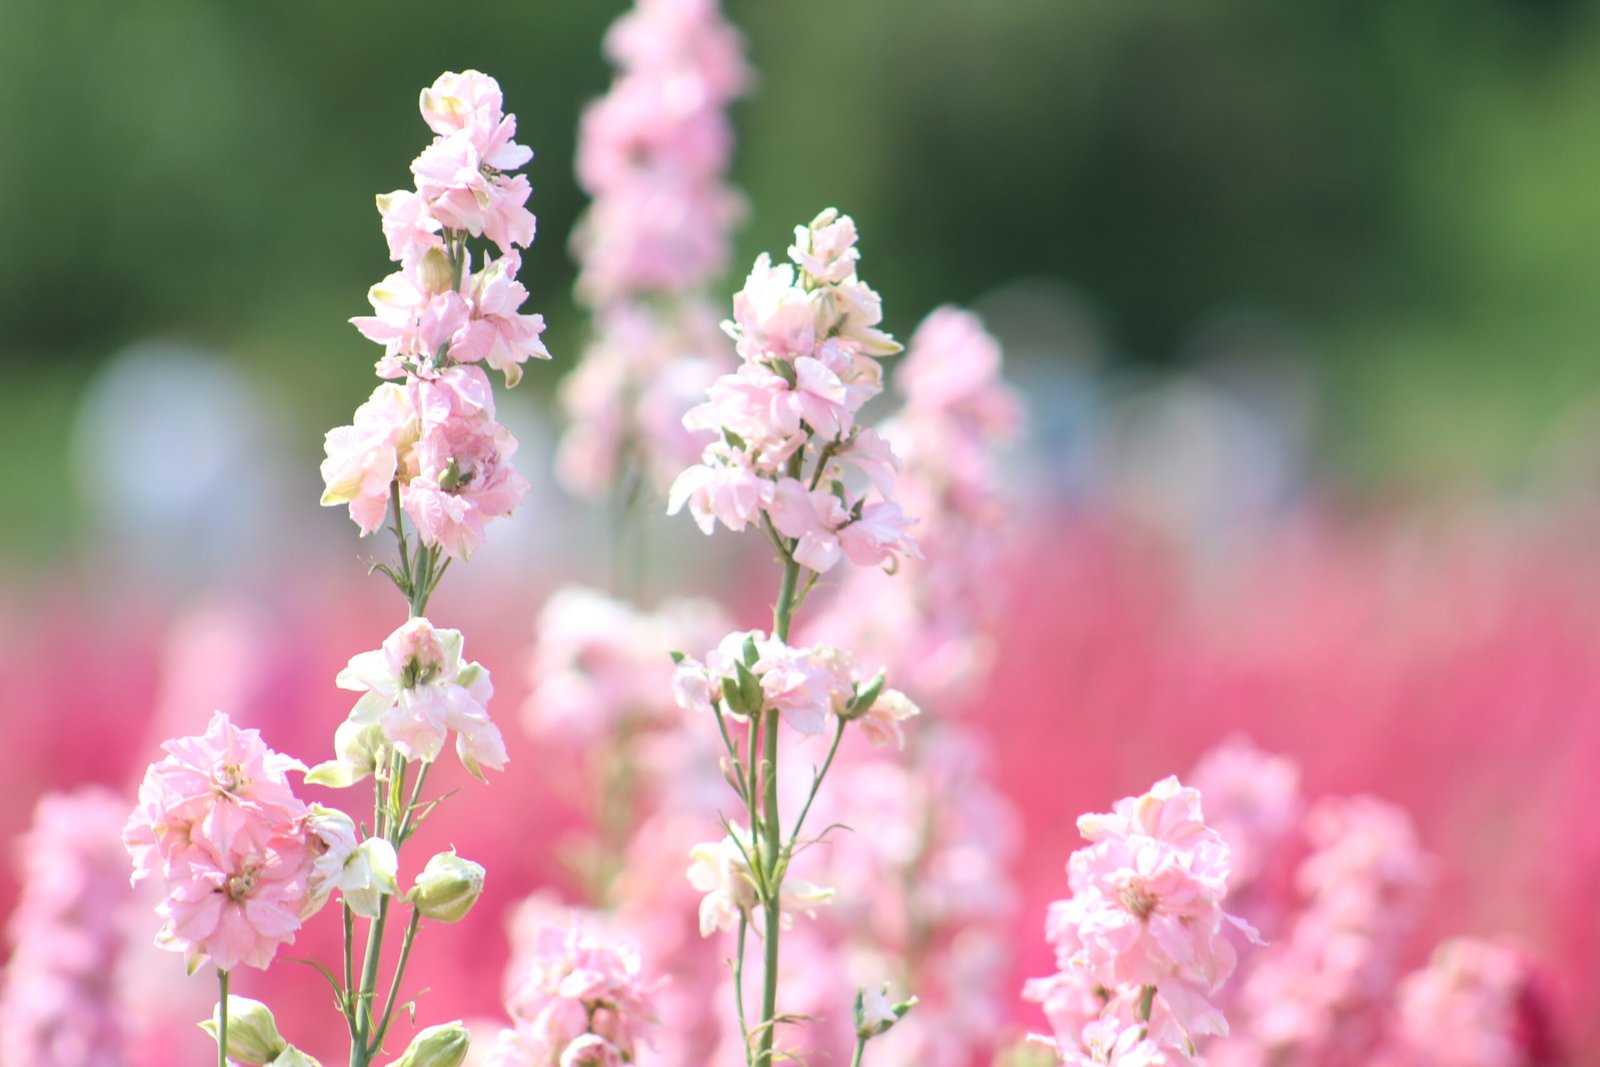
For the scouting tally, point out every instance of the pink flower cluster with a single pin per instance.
(809, 341)
(58, 1004)
(434, 434)
(931, 623)
(809, 687)
(580, 1001)
(415, 691)
(218, 821)
(1318, 994)
(1461, 1010)
(601, 665)
(652, 153)
(1141, 945)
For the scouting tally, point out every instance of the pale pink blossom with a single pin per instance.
(408, 227)
(464, 476)
(58, 1001)
(826, 249)
(723, 489)
(498, 333)
(222, 792)
(1145, 910)
(414, 322)
(602, 665)
(219, 822)
(418, 689)
(1252, 800)
(465, 192)
(1461, 1010)
(874, 534)
(577, 999)
(471, 103)
(881, 722)
(721, 870)
(365, 458)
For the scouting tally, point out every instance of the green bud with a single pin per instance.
(750, 693)
(437, 1046)
(865, 698)
(733, 698)
(447, 888)
(451, 478)
(749, 652)
(252, 1033)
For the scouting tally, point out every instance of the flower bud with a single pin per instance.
(437, 1046)
(875, 1015)
(252, 1033)
(357, 748)
(447, 888)
(435, 272)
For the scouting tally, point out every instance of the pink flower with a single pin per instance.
(773, 318)
(498, 333)
(414, 322)
(57, 1002)
(578, 1000)
(826, 249)
(407, 226)
(464, 192)
(222, 792)
(218, 820)
(418, 689)
(238, 908)
(365, 458)
(464, 473)
(601, 665)
(1461, 1010)
(881, 722)
(1145, 910)
(471, 103)
(1252, 800)
(724, 489)
(871, 534)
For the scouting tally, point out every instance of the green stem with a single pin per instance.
(222, 1026)
(349, 965)
(394, 985)
(361, 1050)
(772, 830)
(816, 785)
(861, 1047)
(738, 986)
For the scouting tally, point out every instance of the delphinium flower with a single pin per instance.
(580, 1000)
(1141, 947)
(790, 458)
(932, 623)
(1319, 993)
(653, 156)
(1461, 1010)
(58, 1005)
(218, 821)
(600, 704)
(244, 860)
(415, 691)
(1253, 801)
(934, 876)
(428, 436)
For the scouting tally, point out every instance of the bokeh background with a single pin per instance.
(1304, 300)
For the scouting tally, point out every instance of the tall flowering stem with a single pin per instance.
(245, 861)
(789, 459)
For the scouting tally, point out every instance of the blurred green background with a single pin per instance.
(1409, 186)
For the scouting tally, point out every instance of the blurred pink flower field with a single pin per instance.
(1449, 668)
